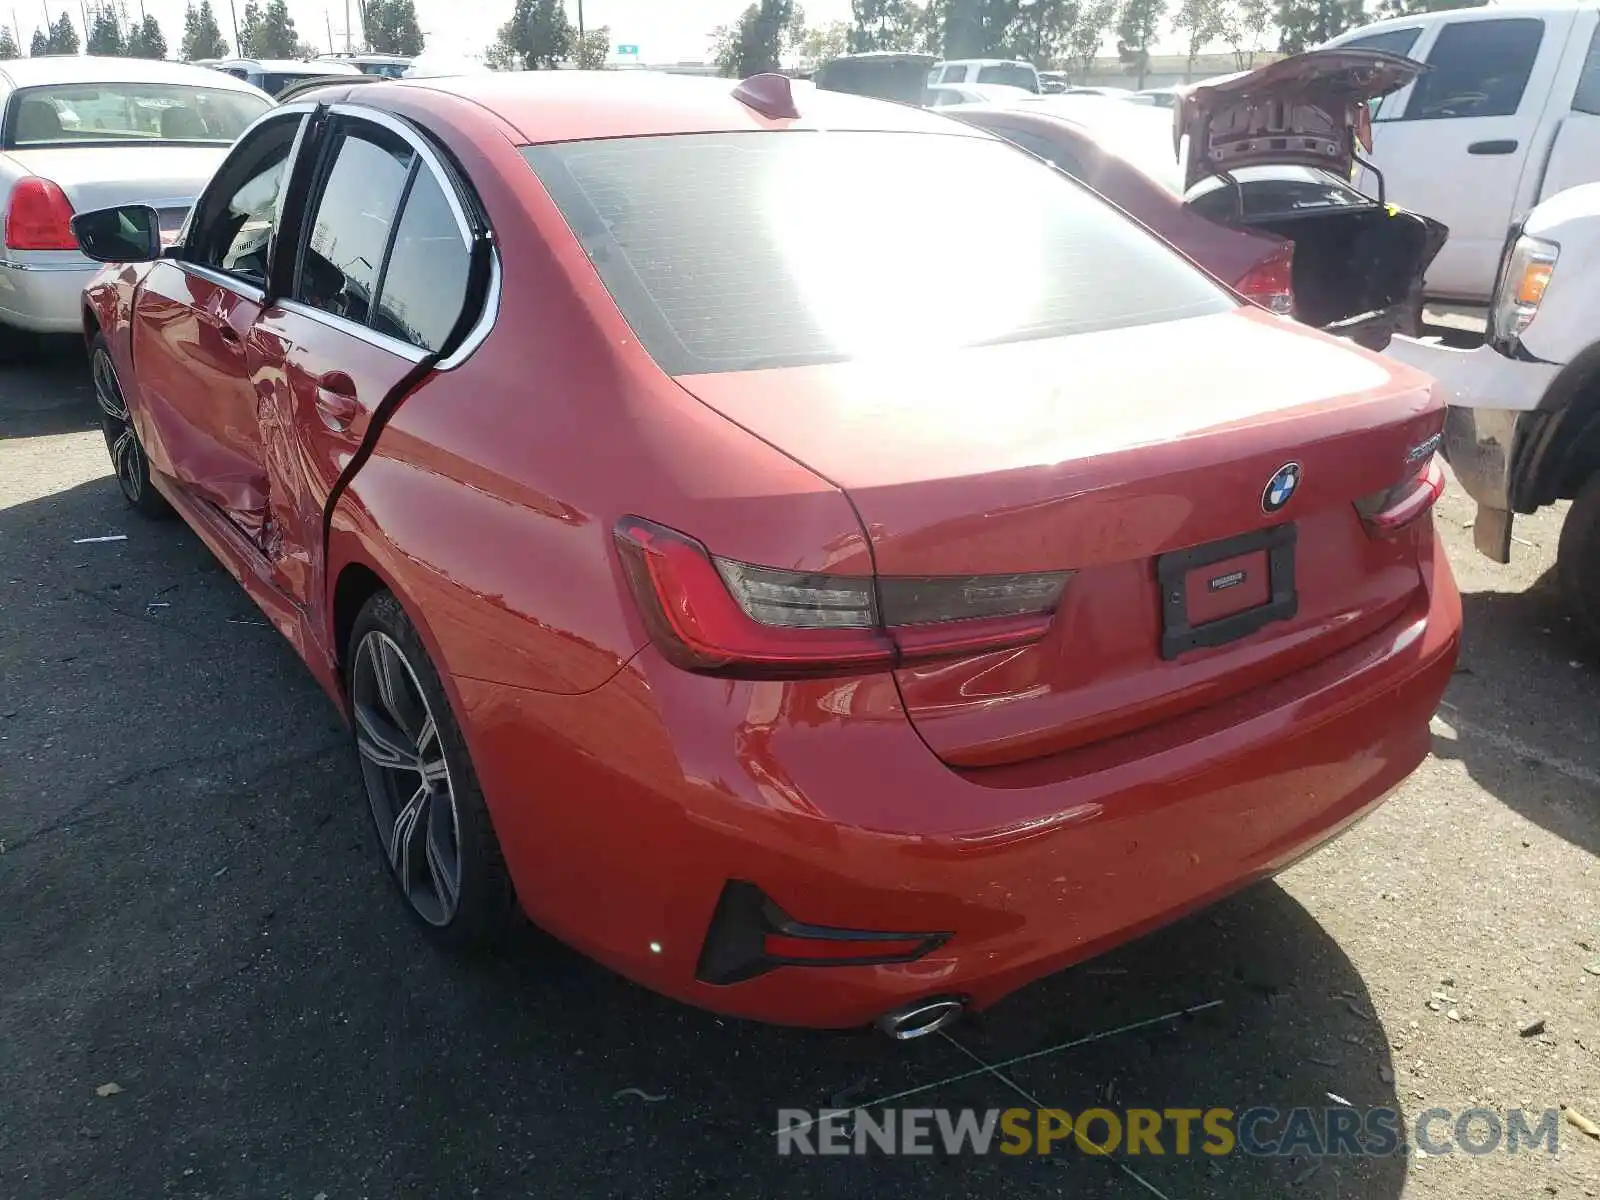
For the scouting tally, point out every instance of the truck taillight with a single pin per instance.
(1270, 283)
(1387, 512)
(39, 217)
(723, 617)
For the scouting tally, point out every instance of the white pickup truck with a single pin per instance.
(1507, 115)
(1523, 427)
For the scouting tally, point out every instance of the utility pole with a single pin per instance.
(328, 20)
(233, 13)
(347, 47)
(580, 22)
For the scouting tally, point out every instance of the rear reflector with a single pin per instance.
(39, 217)
(718, 616)
(1386, 513)
(750, 935)
(1270, 283)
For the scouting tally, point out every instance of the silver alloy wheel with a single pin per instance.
(127, 456)
(408, 782)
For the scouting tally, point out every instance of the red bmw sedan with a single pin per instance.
(808, 555)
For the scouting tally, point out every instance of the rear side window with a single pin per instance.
(737, 251)
(351, 226)
(1390, 41)
(425, 284)
(1587, 98)
(1477, 69)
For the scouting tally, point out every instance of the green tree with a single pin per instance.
(146, 40)
(891, 25)
(202, 38)
(976, 28)
(105, 34)
(267, 31)
(1245, 25)
(592, 49)
(1042, 29)
(1201, 22)
(1137, 27)
(1303, 24)
(1410, 8)
(756, 43)
(537, 36)
(1095, 20)
(63, 36)
(816, 44)
(8, 45)
(40, 44)
(391, 27)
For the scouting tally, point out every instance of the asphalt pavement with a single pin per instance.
(209, 989)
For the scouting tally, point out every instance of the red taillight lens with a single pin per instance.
(39, 217)
(723, 617)
(1386, 513)
(1270, 283)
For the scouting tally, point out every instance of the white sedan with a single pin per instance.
(83, 133)
(943, 95)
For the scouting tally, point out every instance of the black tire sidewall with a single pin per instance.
(150, 502)
(486, 904)
(1578, 559)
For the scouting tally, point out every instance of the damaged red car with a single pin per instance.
(798, 635)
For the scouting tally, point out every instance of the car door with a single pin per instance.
(1452, 146)
(378, 287)
(1575, 145)
(197, 412)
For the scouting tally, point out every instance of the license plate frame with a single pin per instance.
(1180, 636)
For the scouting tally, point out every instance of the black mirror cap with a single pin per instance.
(128, 233)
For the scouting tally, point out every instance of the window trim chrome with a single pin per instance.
(362, 333)
(222, 279)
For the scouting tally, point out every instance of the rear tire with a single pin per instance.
(129, 462)
(427, 808)
(1578, 559)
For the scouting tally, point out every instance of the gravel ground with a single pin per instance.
(193, 913)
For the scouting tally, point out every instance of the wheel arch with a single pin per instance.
(1560, 445)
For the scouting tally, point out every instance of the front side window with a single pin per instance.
(235, 219)
(736, 251)
(352, 225)
(1477, 69)
(69, 114)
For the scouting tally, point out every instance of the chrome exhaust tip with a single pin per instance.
(920, 1018)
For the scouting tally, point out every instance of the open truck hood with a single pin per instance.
(1307, 110)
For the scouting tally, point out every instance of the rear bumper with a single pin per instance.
(623, 813)
(46, 296)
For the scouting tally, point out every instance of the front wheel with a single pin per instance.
(427, 809)
(128, 460)
(1578, 558)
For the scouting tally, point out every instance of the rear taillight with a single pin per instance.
(723, 617)
(39, 217)
(1387, 512)
(1270, 283)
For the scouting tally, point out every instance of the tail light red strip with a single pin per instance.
(1386, 513)
(39, 217)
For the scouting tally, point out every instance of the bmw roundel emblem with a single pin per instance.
(1280, 488)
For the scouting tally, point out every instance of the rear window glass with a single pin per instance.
(737, 251)
(68, 113)
(1273, 191)
(1011, 74)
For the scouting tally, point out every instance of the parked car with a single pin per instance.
(1162, 97)
(1278, 220)
(83, 132)
(1010, 72)
(273, 75)
(942, 95)
(887, 75)
(385, 66)
(1523, 429)
(677, 584)
(1054, 82)
(1507, 115)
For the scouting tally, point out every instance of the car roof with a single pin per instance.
(290, 66)
(76, 68)
(984, 62)
(562, 106)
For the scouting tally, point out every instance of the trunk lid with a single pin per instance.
(166, 177)
(1094, 454)
(1308, 109)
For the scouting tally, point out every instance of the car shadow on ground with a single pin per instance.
(47, 391)
(1520, 714)
(195, 912)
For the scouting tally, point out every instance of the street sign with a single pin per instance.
(624, 50)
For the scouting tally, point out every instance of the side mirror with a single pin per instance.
(125, 234)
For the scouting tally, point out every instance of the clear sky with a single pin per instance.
(664, 30)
